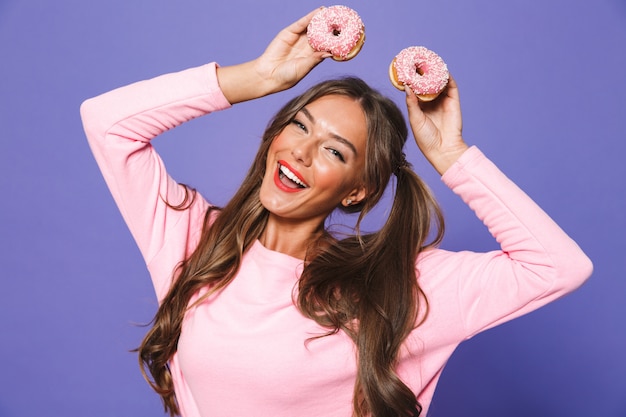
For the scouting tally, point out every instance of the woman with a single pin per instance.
(262, 311)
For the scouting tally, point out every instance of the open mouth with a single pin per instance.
(289, 179)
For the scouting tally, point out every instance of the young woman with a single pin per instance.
(262, 311)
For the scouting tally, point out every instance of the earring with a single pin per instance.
(348, 202)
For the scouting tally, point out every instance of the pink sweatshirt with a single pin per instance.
(243, 352)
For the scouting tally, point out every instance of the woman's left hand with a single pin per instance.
(437, 126)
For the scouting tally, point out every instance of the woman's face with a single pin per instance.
(317, 161)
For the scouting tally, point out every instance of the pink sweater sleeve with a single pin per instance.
(119, 126)
(538, 262)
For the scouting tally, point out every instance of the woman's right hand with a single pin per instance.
(287, 59)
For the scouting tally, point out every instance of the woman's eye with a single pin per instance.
(336, 153)
(298, 124)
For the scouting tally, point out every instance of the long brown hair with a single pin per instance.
(364, 285)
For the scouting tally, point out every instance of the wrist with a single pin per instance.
(242, 82)
(442, 160)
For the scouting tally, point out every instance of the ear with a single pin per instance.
(355, 196)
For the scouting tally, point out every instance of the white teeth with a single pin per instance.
(291, 176)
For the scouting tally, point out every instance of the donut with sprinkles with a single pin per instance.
(338, 30)
(420, 69)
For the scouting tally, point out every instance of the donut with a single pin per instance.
(420, 69)
(338, 30)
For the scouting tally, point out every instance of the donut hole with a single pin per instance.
(335, 30)
(419, 70)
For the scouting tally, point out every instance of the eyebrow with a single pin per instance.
(333, 135)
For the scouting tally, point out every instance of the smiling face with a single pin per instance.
(317, 161)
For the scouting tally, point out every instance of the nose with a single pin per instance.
(302, 152)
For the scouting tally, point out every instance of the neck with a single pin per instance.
(289, 237)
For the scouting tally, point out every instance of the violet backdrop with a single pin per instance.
(543, 95)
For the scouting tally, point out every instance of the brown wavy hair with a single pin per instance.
(364, 284)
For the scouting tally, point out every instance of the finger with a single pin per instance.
(452, 89)
(321, 55)
(412, 104)
(306, 64)
(313, 58)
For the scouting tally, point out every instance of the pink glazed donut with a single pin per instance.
(420, 69)
(338, 30)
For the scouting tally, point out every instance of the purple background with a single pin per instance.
(543, 90)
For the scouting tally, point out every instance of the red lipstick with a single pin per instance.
(280, 177)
